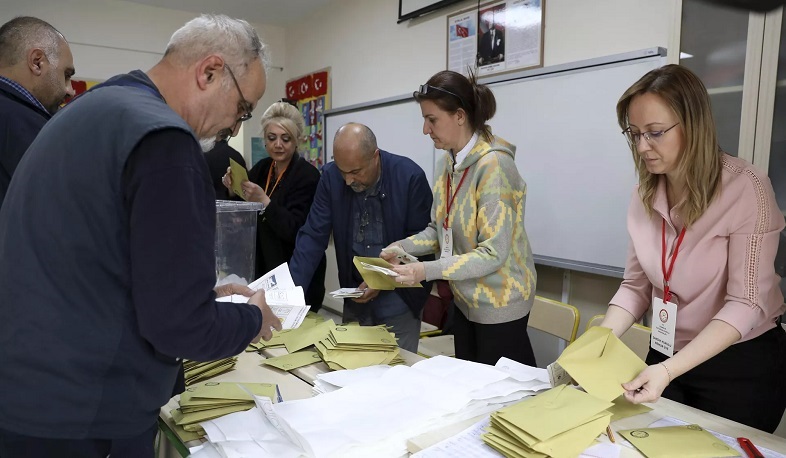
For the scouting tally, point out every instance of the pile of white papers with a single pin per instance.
(286, 300)
(373, 411)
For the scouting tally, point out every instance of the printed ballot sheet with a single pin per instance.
(286, 300)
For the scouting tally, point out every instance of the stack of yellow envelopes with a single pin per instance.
(351, 347)
(196, 371)
(560, 423)
(210, 400)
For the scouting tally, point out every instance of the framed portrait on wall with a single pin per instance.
(497, 37)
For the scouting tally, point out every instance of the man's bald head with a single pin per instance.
(356, 155)
(37, 56)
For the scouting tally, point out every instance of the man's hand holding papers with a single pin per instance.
(277, 293)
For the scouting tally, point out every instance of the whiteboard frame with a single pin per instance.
(584, 65)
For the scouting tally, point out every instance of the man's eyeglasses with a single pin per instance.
(245, 105)
(425, 88)
(652, 137)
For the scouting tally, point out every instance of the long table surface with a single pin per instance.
(298, 383)
(661, 409)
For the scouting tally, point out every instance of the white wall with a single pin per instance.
(108, 37)
(371, 57)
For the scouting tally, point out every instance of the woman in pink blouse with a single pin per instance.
(704, 230)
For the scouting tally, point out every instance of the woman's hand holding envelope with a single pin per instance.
(648, 385)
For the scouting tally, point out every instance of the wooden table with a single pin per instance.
(297, 385)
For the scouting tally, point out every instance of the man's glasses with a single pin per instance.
(244, 104)
(652, 137)
(425, 88)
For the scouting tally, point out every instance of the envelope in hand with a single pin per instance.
(601, 363)
(688, 441)
(378, 280)
(239, 175)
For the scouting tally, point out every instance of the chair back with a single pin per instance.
(637, 338)
(555, 318)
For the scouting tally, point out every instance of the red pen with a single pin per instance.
(749, 448)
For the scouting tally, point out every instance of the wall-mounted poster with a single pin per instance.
(497, 37)
(312, 95)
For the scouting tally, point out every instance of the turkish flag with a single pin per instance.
(462, 32)
(306, 87)
(293, 90)
(320, 83)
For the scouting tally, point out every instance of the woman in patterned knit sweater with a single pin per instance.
(477, 224)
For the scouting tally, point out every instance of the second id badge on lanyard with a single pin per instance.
(664, 326)
(447, 242)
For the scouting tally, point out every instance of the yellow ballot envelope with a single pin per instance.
(371, 269)
(239, 175)
(293, 360)
(601, 363)
(688, 441)
(554, 411)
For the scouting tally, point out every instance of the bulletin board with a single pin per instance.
(312, 94)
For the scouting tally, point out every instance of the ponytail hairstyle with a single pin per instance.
(452, 91)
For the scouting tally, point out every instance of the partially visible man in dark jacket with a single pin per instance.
(36, 66)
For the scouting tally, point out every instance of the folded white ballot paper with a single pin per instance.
(286, 300)
(346, 292)
(401, 255)
(380, 269)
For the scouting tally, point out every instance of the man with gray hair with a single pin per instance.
(107, 261)
(366, 198)
(36, 66)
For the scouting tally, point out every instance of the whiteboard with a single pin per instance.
(397, 124)
(576, 163)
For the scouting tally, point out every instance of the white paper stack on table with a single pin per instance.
(286, 300)
(377, 410)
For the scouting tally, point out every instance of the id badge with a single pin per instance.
(664, 326)
(447, 242)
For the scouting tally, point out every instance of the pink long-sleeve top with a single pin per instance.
(725, 266)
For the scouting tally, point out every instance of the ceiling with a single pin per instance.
(273, 12)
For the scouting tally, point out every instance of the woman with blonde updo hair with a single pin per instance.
(285, 183)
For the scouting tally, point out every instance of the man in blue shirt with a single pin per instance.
(367, 198)
(36, 66)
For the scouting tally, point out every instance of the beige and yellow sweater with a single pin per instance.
(491, 272)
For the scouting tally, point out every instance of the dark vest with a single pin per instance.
(68, 334)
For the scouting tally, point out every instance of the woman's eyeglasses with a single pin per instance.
(652, 137)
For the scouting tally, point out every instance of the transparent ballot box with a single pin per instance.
(236, 239)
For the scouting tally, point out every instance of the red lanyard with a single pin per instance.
(667, 273)
(447, 193)
(269, 175)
